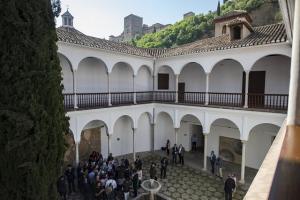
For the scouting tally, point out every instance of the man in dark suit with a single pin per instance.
(181, 152)
(174, 154)
(212, 159)
(163, 167)
(229, 187)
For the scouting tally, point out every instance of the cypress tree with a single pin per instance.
(32, 118)
(219, 9)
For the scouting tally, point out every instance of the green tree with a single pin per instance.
(32, 118)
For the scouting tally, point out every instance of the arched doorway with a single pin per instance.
(226, 83)
(92, 76)
(192, 84)
(93, 138)
(191, 131)
(224, 140)
(269, 80)
(121, 78)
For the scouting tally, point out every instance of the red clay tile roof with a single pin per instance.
(274, 33)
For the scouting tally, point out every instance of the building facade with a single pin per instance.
(229, 91)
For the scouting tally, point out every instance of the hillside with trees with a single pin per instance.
(200, 26)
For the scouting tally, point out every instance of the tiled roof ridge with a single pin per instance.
(271, 33)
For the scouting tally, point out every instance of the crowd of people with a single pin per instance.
(102, 179)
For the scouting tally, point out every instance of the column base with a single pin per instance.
(246, 106)
(242, 181)
(204, 169)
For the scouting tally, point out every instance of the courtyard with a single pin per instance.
(189, 182)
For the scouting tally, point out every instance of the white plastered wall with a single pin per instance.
(121, 78)
(164, 130)
(122, 139)
(194, 78)
(67, 74)
(226, 76)
(277, 73)
(143, 134)
(143, 80)
(91, 76)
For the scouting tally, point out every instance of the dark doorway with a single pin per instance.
(181, 90)
(163, 81)
(256, 89)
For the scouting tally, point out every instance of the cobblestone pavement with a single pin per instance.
(184, 182)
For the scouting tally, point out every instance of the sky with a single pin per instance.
(102, 18)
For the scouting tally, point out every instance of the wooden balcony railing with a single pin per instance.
(99, 100)
(122, 98)
(92, 100)
(144, 97)
(197, 98)
(69, 101)
(226, 99)
(268, 101)
(164, 96)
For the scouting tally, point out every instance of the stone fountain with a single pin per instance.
(152, 186)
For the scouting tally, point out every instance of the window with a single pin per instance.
(237, 33)
(224, 30)
(163, 81)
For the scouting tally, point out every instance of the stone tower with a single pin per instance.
(133, 26)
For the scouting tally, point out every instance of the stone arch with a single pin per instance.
(122, 138)
(121, 77)
(194, 77)
(93, 137)
(224, 140)
(92, 76)
(67, 73)
(167, 113)
(143, 135)
(277, 72)
(259, 142)
(143, 79)
(164, 130)
(226, 76)
(190, 127)
(233, 120)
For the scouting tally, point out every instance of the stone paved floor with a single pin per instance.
(184, 182)
(189, 182)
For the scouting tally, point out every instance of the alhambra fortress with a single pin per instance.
(230, 91)
(134, 27)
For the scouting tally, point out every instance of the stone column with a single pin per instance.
(293, 117)
(205, 152)
(77, 153)
(133, 143)
(75, 90)
(109, 143)
(108, 90)
(243, 162)
(207, 89)
(176, 87)
(246, 88)
(134, 92)
(176, 135)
